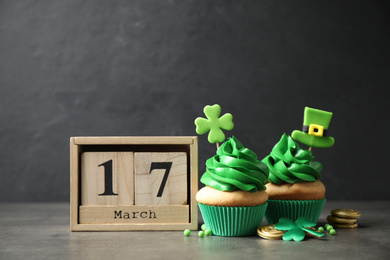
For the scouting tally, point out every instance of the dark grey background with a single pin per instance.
(86, 68)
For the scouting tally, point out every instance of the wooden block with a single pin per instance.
(107, 178)
(134, 214)
(160, 178)
(97, 216)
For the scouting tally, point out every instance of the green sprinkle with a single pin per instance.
(329, 228)
(187, 232)
(326, 226)
(321, 229)
(201, 234)
(332, 232)
(207, 232)
(203, 227)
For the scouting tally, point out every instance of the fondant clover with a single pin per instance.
(296, 230)
(214, 123)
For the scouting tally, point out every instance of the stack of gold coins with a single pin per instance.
(270, 232)
(344, 218)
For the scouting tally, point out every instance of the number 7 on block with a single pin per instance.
(160, 178)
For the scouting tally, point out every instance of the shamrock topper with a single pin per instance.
(214, 123)
(296, 229)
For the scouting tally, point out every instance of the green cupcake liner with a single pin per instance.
(233, 221)
(293, 209)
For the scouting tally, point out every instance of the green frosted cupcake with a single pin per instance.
(295, 189)
(234, 200)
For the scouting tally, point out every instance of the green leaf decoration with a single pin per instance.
(214, 123)
(296, 230)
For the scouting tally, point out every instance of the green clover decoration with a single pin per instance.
(214, 123)
(296, 230)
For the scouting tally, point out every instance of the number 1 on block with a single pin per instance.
(160, 178)
(107, 178)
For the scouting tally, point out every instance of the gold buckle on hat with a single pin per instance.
(316, 130)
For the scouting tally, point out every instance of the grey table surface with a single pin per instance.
(41, 231)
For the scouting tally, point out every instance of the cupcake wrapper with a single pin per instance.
(293, 209)
(233, 221)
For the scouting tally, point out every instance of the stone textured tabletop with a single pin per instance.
(41, 231)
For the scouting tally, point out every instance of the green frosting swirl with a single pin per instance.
(289, 163)
(235, 167)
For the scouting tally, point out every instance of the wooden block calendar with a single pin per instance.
(133, 183)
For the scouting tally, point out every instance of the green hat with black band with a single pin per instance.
(315, 128)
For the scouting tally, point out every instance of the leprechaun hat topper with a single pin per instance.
(315, 128)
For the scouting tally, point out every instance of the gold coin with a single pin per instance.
(269, 232)
(346, 213)
(335, 219)
(310, 234)
(337, 225)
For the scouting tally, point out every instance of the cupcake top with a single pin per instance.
(235, 167)
(288, 163)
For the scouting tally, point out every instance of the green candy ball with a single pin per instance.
(203, 227)
(201, 234)
(187, 232)
(332, 232)
(207, 232)
(326, 226)
(321, 229)
(329, 228)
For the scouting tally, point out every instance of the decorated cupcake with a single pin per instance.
(295, 189)
(234, 200)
